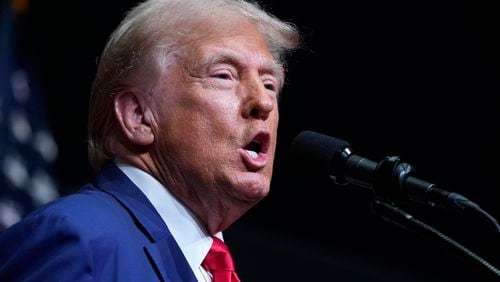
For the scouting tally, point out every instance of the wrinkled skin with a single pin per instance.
(211, 102)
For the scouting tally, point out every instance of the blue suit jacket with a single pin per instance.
(108, 231)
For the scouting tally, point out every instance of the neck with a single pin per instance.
(213, 211)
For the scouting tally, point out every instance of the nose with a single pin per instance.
(258, 102)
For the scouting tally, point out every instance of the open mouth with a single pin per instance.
(254, 154)
(258, 145)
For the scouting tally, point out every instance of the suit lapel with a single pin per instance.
(163, 252)
(160, 258)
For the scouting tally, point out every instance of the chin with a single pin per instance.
(253, 188)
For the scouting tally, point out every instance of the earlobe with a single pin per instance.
(130, 114)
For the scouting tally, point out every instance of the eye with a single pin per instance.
(270, 86)
(222, 75)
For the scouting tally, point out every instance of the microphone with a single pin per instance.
(390, 179)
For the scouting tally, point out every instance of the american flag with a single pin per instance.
(27, 149)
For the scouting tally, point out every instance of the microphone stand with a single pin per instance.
(406, 221)
(389, 176)
(393, 182)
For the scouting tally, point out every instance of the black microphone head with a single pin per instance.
(319, 151)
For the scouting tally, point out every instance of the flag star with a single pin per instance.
(27, 150)
(9, 213)
(20, 126)
(43, 189)
(45, 145)
(20, 86)
(15, 171)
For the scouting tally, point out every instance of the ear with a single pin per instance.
(130, 115)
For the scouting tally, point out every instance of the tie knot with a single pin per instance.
(219, 257)
(219, 262)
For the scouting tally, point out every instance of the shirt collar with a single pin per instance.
(189, 234)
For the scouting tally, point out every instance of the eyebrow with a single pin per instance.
(233, 58)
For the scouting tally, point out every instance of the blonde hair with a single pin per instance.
(137, 51)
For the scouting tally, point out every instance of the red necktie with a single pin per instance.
(220, 263)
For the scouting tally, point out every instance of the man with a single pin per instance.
(182, 128)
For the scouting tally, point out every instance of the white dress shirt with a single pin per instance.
(189, 234)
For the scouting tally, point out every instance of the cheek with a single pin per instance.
(273, 122)
(276, 118)
(201, 127)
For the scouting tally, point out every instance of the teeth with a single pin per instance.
(253, 154)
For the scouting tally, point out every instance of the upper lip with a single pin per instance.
(259, 142)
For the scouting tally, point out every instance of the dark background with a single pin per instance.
(416, 79)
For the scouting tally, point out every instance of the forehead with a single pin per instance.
(242, 44)
(242, 36)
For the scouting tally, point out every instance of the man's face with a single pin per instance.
(216, 119)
